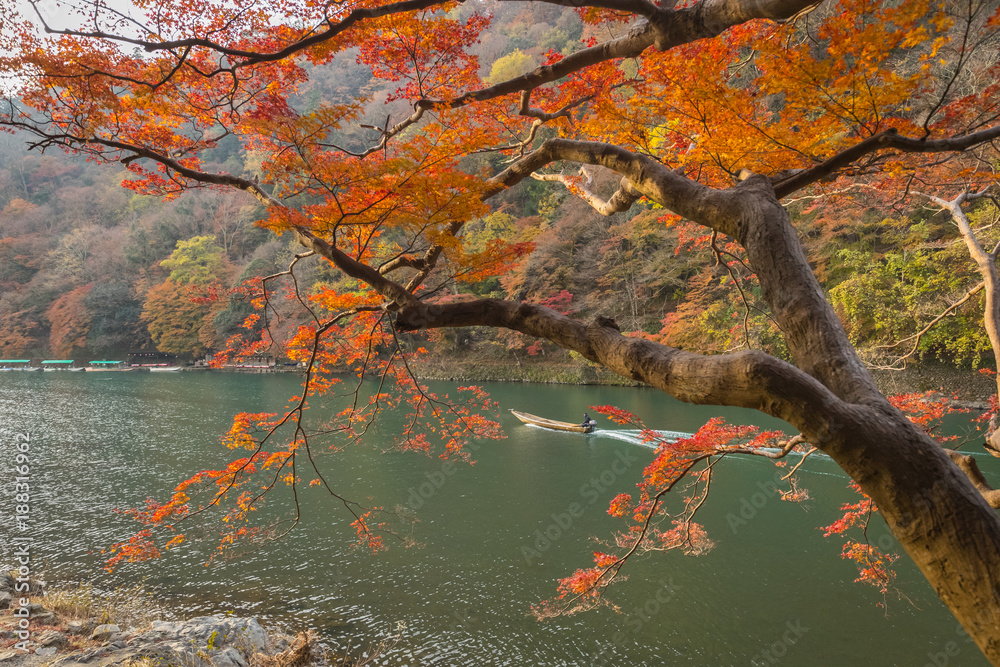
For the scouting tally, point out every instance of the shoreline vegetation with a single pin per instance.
(78, 624)
(971, 389)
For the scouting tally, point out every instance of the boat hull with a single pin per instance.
(551, 423)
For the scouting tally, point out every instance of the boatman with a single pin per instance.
(586, 420)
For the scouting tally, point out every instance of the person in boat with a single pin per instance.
(586, 420)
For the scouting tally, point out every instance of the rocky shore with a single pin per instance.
(47, 632)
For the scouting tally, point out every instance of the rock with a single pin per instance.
(229, 658)
(162, 626)
(205, 641)
(208, 633)
(87, 656)
(77, 627)
(5, 599)
(52, 638)
(7, 581)
(45, 618)
(281, 642)
(104, 632)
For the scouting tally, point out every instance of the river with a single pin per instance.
(493, 537)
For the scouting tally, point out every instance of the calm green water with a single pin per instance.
(495, 536)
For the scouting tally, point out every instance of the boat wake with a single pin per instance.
(635, 437)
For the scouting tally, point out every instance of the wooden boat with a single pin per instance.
(118, 366)
(164, 369)
(553, 424)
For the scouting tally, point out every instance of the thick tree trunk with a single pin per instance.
(939, 518)
(932, 508)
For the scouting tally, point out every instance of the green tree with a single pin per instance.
(514, 64)
(197, 261)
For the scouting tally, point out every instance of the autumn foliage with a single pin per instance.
(684, 464)
(69, 325)
(716, 120)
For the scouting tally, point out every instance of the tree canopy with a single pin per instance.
(721, 115)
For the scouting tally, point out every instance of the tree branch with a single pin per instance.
(400, 262)
(663, 27)
(930, 325)
(887, 140)
(967, 464)
(713, 208)
(621, 200)
(247, 58)
(392, 291)
(783, 451)
(748, 379)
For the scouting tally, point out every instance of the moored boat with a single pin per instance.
(553, 424)
(57, 364)
(105, 365)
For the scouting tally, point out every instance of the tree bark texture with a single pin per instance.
(940, 519)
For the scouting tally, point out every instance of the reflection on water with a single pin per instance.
(494, 537)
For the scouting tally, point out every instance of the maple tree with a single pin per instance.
(713, 110)
(180, 310)
(175, 317)
(70, 321)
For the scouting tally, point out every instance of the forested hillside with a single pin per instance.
(88, 267)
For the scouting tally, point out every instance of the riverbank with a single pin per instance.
(473, 367)
(79, 626)
(970, 387)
